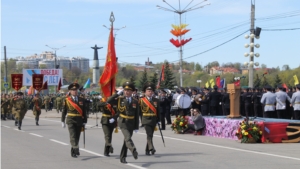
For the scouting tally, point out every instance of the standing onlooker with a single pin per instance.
(295, 102)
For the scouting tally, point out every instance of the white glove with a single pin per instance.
(200, 99)
(283, 107)
(63, 125)
(136, 131)
(120, 92)
(220, 103)
(91, 101)
(111, 120)
(158, 123)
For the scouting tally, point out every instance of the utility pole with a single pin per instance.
(180, 12)
(5, 66)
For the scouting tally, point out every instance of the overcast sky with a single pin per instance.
(28, 25)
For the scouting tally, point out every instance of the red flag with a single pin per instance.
(107, 80)
(59, 85)
(285, 86)
(45, 85)
(37, 81)
(161, 77)
(218, 82)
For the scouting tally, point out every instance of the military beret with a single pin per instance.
(149, 86)
(73, 86)
(128, 86)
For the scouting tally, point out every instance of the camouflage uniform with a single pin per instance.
(37, 105)
(46, 101)
(19, 109)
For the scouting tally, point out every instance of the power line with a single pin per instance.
(289, 29)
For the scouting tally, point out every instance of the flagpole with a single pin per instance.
(112, 19)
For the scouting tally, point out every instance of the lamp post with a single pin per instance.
(180, 12)
(55, 49)
(254, 33)
(199, 81)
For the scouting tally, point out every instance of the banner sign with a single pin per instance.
(50, 75)
(16, 81)
(37, 81)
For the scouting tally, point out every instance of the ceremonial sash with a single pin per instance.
(36, 102)
(146, 101)
(75, 106)
(111, 109)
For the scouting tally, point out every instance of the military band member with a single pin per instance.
(295, 102)
(108, 121)
(149, 107)
(37, 105)
(74, 107)
(128, 121)
(18, 108)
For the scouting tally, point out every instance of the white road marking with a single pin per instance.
(230, 148)
(56, 121)
(36, 135)
(100, 155)
(59, 142)
(6, 126)
(19, 130)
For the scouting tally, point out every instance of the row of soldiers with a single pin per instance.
(252, 103)
(121, 110)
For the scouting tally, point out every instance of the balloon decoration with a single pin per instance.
(179, 30)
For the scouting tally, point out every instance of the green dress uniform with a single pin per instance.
(19, 109)
(47, 102)
(108, 121)
(58, 103)
(37, 105)
(149, 117)
(4, 107)
(74, 107)
(128, 121)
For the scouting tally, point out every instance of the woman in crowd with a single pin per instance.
(199, 122)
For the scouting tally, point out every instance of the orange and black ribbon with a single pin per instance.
(75, 106)
(146, 101)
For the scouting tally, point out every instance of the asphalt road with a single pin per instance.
(47, 146)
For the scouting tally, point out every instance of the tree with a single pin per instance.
(263, 66)
(132, 80)
(286, 67)
(144, 78)
(169, 82)
(277, 81)
(264, 82)
(198, 67)
(154, 78)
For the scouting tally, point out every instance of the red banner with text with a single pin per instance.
(16, 81)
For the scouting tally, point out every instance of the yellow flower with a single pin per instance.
(181, 123)
(254, 128)
(243, 126)
(243, 131)
(246, 133)
(260, 132)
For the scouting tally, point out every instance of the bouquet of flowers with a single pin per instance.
(248, 132)
(179, 124)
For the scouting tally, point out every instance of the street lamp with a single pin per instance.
(181, 11)
(55, 49)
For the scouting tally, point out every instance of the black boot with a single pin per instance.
(37, 121)
(135, 154)
(106, 151)
(20, 124)
(76, 150)
(153, 151)
(16, 123)
(111, 149)
(73, 154)
(147, 153)
(123, 160)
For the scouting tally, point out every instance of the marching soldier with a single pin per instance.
(58, 103)
(295, 102)
(47, 102)
(4, 106)
(128, 112)
(18, 108)
(74, 107)
(108, 121)
(37, 105)
(150, 109)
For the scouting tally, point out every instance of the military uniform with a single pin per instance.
(58, 103)
(74, 107)
(269, 99)
(281, 108)
(256, 97)
(47, 102)
(150, 110)
(295, 101)
(4, 107)
(19, 108)
(37, 105)
(128, 121)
